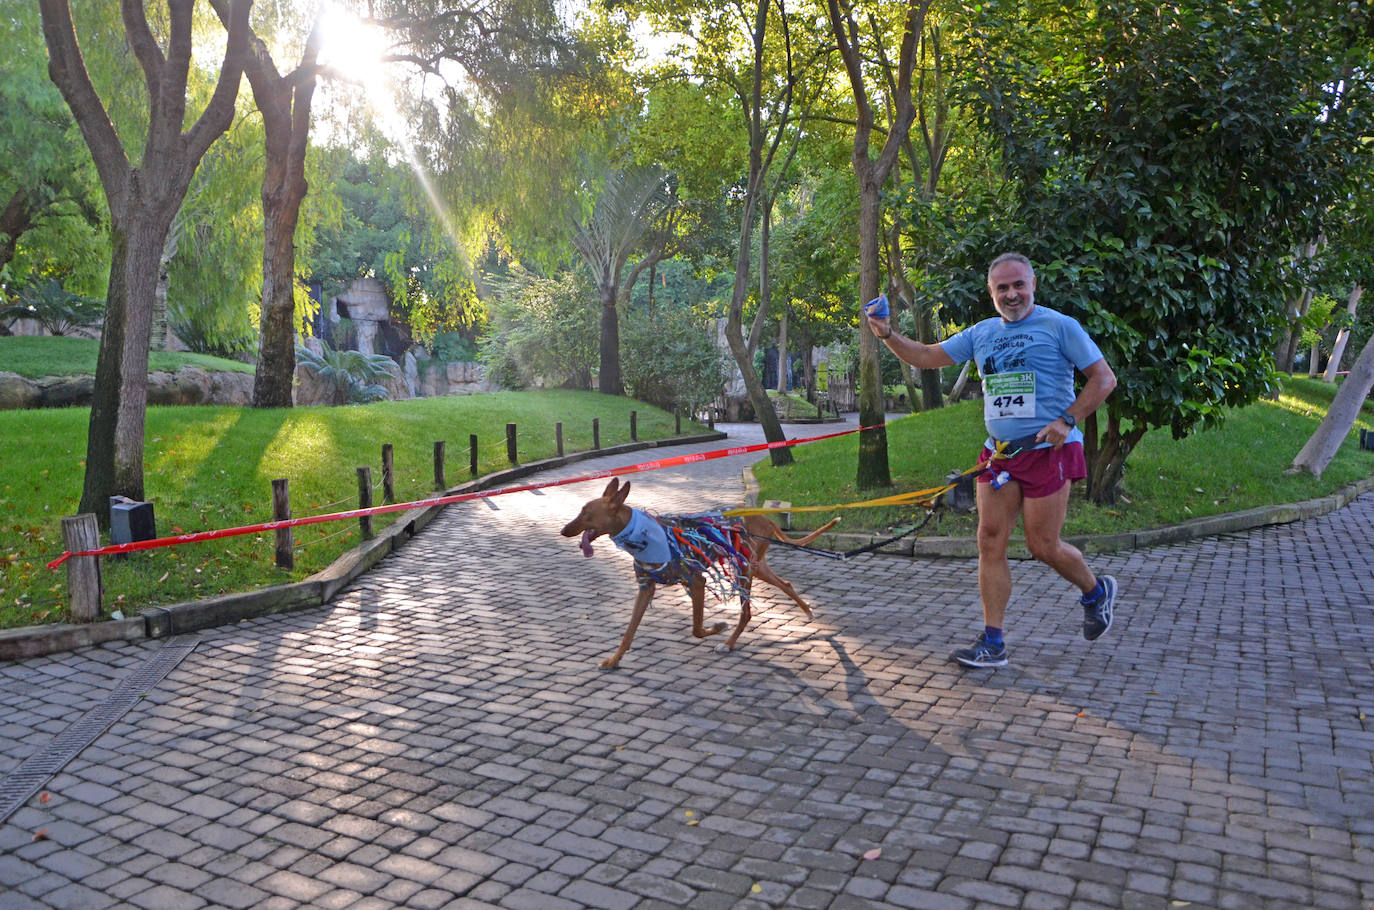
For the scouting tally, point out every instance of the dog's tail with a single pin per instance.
(803, 541)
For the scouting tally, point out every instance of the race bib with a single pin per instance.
(1009, 395)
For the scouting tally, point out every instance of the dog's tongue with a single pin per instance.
(586, 544)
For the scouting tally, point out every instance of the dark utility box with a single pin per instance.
(1367, 439)
(131, 520)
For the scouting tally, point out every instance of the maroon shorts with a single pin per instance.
(1040, 472)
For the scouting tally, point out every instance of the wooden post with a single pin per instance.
(634, 426)
(388, 475)
(472, 454)
(510, 443)
(365, 501)
(677, 422)
(558, 436)
(596, 432)
(80, 532)
(281, 511)
(439, 466)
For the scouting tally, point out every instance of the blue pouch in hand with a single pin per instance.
(877, 307)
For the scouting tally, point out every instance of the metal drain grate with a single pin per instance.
(36, 770)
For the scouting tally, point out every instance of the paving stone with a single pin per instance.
(441, 736)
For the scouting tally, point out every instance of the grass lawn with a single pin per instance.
(1236, 467)
(35, 357)
(212, 467)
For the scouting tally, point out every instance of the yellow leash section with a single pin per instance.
(924, 497)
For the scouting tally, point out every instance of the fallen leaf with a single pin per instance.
(689, 813)
(693, 822)
(757, 889)
(41, 834)
(1180, 903)
(874, 853)
(45, 797)
(1082, 714)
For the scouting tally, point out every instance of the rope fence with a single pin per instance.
(367, 512)
(82, 551)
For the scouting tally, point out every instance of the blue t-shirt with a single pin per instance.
(1027, 369)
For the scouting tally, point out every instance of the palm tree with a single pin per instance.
(354, 376)
(57, 310)
(629, 203)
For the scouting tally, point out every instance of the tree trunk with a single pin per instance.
(15, 219)
(114, 441)
(609, 381)
(1288, 348)
(274, 375)
(902, 289)
(782, 352)
(285, 103)
(873, 470)
(871, 174)
(960, 382)
(1322, 446)
(932, 395)
(734, 328)
(1333, 366)
(1106, 469)
(142, 201)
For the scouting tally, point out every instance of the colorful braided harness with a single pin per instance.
(706, 544)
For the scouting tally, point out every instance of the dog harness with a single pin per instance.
(674, 549)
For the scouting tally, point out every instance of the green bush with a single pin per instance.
(670, 359)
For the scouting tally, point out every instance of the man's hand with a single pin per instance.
(1054, 433)
(876, 312)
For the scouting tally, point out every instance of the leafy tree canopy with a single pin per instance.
(51, 208)
(1163, 161)
(388, 228)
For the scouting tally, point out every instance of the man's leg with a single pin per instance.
(997, 511)
(1044, 520)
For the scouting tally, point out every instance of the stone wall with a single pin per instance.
(193, 385)
(435, 378)
(188, 385)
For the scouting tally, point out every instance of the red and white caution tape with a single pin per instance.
(640, 468)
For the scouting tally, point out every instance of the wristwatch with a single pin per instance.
(1069, 419)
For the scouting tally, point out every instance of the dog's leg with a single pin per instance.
(646, 594)
(764, 572)
(697, 591)
(744, 613)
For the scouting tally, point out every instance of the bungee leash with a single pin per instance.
(933, 499)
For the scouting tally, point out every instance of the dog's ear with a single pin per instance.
(611, 487)
(619, 498)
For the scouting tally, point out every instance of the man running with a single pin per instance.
(1027, 355)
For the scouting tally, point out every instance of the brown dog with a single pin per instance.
(742, 543)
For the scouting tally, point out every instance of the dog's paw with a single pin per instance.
(707, 633)
(723, 648)
(610, 663)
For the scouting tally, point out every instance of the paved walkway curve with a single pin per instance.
(441, 736)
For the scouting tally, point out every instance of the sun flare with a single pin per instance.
(354, 50)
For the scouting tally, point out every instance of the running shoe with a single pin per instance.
(1097, 616)
(982, 654)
